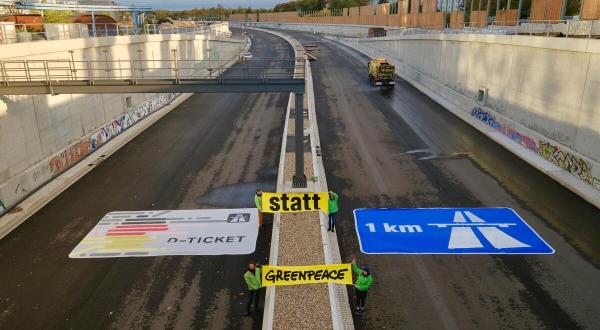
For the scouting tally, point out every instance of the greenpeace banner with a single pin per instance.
(178, 232)
(299, 202)
(293, 275)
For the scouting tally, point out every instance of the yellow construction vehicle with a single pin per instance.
(381, 73)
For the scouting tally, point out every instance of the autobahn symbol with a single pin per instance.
(463, 236)
(446, 231)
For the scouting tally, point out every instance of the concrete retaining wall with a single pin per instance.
(42, 136)
(334, 29)
(542, 92)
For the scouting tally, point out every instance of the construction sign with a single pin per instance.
(294, 275)
(297, 202)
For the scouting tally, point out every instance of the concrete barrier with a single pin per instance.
(334, 29)
(341, 316)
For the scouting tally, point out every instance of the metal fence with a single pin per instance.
(549, 28)
(552, 28)
(134, 71)
(14, 33)
(562, 28)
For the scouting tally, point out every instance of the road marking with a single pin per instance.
(463, 237)
(446, 231)
(499, 239)
(177, 232)
(416, 151)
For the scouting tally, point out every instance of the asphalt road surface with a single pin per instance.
(398, 148)
(212, 151)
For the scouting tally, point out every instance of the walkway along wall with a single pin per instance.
(42, 136)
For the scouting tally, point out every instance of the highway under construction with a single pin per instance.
(379, 148)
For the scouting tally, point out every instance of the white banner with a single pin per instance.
(178, 232)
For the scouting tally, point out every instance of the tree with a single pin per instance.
(311, 5)
(200, 13)
(337, 4)
(160, 14)
(286, 6)
(57, 16)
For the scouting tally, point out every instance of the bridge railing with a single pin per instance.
(14, 33)
(560, 28)
(551, 28)
(61, 71)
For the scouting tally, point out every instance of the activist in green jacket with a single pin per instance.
(362, 285)
(253, 281)
(332, 205)
(258, 199)
(333, 202)
(363, 282)
(252, 277)
(258, 203)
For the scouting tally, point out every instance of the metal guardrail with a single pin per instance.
(16, 33)
(134, 70)
(562, 28)
(589, 29)
(120, 76)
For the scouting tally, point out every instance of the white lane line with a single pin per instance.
(463, 238)
(499, 239)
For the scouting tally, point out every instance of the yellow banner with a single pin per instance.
(281, 203)
(293, 275)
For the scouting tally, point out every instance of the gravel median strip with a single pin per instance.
(300, 243)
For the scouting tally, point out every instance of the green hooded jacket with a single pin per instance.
(333, 203)
(253, 280)
(363, 283)
(258, 201)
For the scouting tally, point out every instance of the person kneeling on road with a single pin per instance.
(252, 278)
(362, 285)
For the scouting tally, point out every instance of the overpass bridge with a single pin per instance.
(257, 75)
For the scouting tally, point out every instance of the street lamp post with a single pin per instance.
(210, 69)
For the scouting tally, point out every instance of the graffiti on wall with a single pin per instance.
(40, 174)
(485, 117)
(514, 135)
(76, 152)
(561, 158)
(519, 138)
(68, 157)
(569, 162)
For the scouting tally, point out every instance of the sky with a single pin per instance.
(187, 4)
